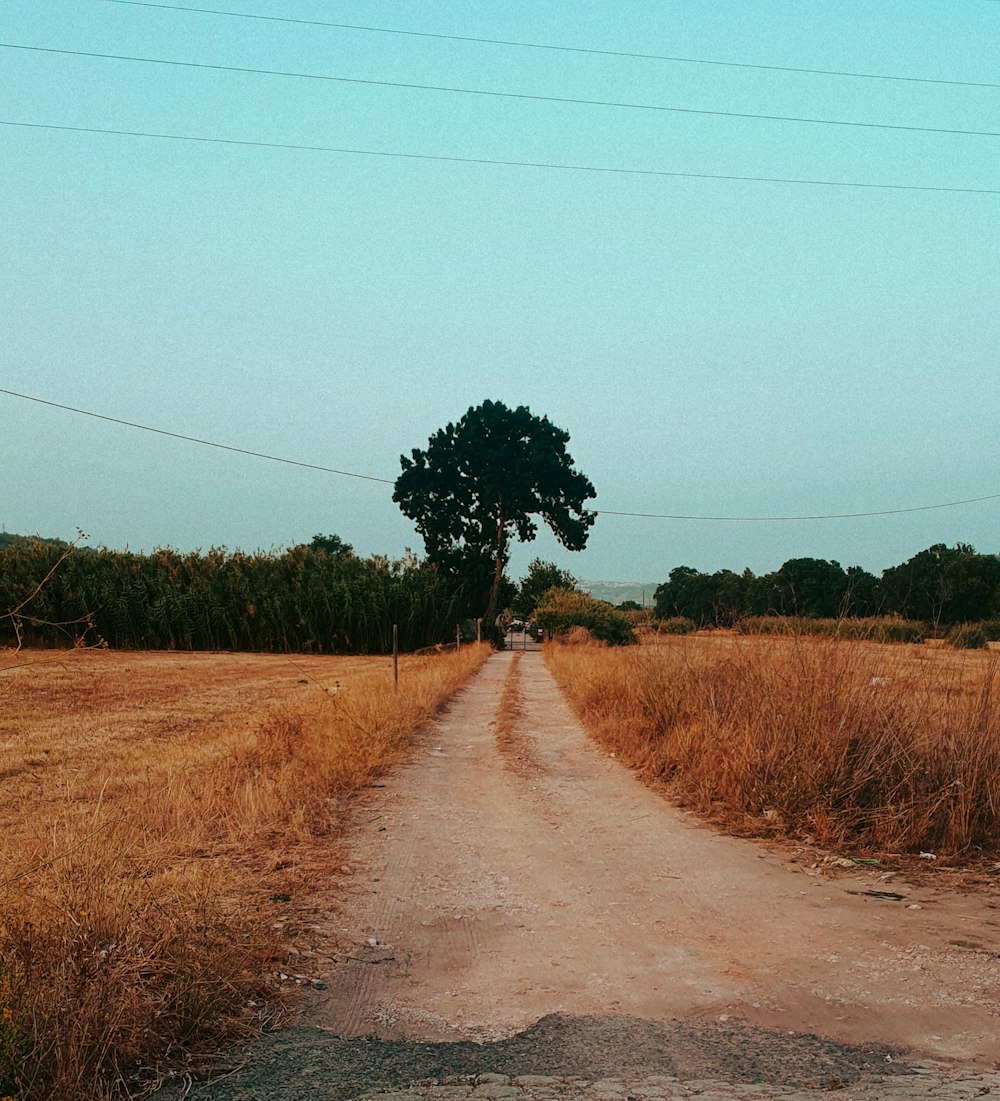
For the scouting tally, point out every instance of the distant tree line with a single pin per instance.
(317, 597)
(941, 586)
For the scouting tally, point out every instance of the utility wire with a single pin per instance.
(387, 481)
(777, 519)
(551, 165)
(560, 48)
(195, 439)
(524, 96)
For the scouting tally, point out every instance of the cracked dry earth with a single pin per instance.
(528, 920)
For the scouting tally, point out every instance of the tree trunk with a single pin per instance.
(490, 615)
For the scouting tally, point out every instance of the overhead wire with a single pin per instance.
(522, 96)
(388, 481)
(496, 161)
(513, 163)
(196, 439)
(598, 51)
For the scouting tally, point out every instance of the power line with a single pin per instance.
(523, 96)
(197, 440)
(387, 481)
(780, 519)
(550, 165)
(561, 48)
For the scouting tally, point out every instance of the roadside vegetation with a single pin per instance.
(318, 597)
(870, 628)
(165, 820)
(852, 745)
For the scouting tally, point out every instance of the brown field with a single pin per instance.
(874, 748)
(165, 818)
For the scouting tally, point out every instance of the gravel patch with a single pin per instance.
(570, 1053)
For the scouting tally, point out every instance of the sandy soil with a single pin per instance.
(492, 887)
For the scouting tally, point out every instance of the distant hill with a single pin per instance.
(7, 538)
(614, 592)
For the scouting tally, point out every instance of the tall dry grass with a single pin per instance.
(885, 749)
(148, 845)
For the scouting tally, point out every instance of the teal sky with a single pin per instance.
(714, 347)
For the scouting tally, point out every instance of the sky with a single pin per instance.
(715, 347)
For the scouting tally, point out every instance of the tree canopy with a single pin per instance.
(541, 577)
(940, 586)
(480, 483)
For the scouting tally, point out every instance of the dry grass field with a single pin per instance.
(870, 747)
(159, 814)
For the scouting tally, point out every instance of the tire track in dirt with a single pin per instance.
(564, 886)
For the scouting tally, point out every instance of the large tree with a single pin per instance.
(479, 483)
(945, 585)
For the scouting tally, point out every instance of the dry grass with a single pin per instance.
(510, 710)
(514, 747)
(157, 811)
(888, 749)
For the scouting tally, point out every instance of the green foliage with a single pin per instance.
(479, 483)
(541, 577)
(7, 538)
(945, 585)
(968, 636)
(675, 625)
(332, 545)
(561, 609)
(715, 600)
(304, 600)
(940, 586)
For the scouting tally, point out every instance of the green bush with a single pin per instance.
(967, 636)
(675, 625)
(561, 609)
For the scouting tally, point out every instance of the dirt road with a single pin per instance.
(500, 887)
(495, 885)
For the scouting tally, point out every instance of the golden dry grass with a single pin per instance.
(154, 807)
(886, 748)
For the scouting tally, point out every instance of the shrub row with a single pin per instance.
(301, 600)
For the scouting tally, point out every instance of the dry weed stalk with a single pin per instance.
(888, 749)
(136, 917)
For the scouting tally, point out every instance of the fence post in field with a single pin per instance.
(479, 630)
(458, 637)
(395, 656)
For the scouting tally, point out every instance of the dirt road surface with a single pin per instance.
(535, 888)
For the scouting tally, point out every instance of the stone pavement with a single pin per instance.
(923, 1080)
